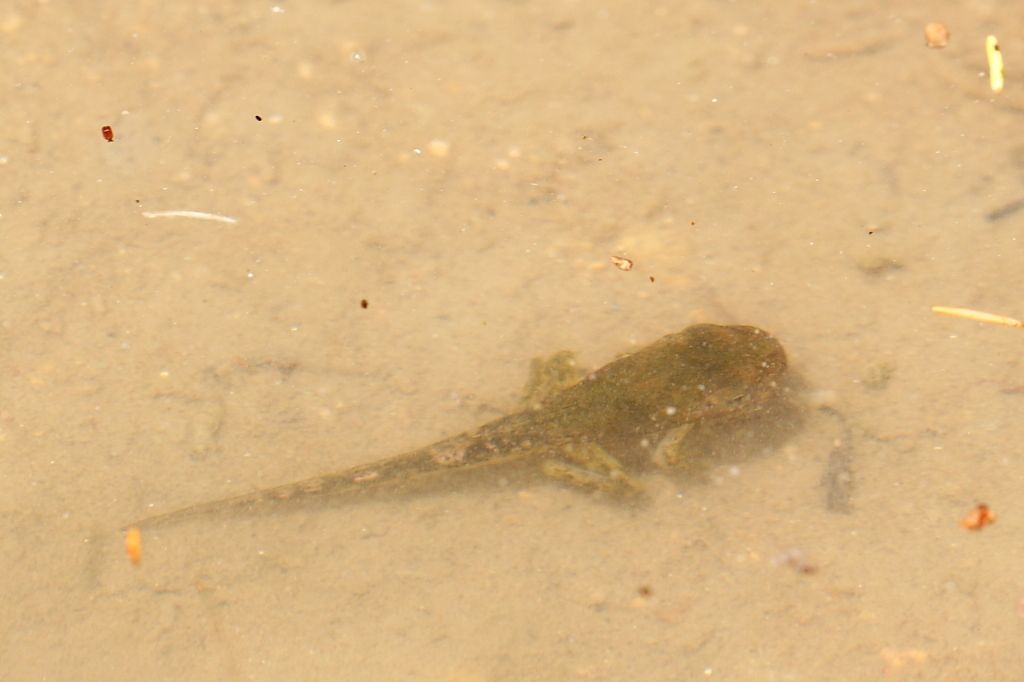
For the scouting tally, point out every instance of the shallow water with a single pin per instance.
(468, 169)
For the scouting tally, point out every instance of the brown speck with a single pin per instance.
(108, 133)
(644, 591)
(364, 304)
(258, 117)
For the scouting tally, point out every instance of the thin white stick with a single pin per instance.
(199, 215)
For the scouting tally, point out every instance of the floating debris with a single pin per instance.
(995, 64)
(133, 544)
(198, 215)
(936, 35)
(622, 263)
(977, 316)
(978, 518)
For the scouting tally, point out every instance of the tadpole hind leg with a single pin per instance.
(590, 466)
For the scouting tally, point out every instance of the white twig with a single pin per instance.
(199, 215)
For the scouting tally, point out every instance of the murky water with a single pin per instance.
(425, 196)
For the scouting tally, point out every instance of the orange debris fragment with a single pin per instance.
(133, 544)
(978, 518)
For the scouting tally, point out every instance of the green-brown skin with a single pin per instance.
(622, 419)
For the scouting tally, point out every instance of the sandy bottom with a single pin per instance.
(399, 205)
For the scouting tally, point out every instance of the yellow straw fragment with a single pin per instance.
(995, 64)
(977, 316)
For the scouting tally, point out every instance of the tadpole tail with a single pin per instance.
(412, 469)
(359, 479)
